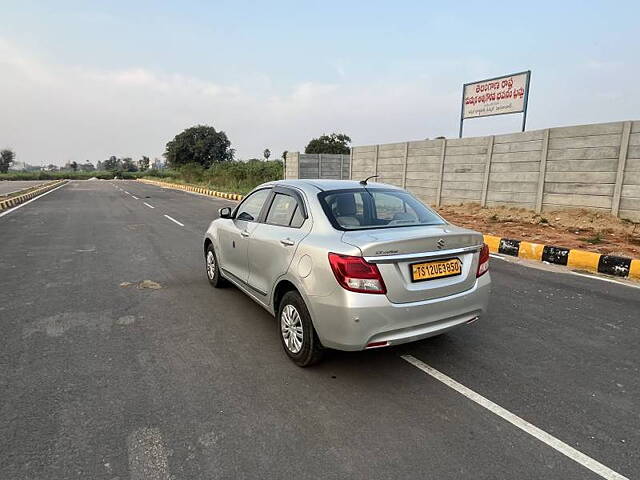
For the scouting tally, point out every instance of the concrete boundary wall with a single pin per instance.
(590, 166)
(318, 165)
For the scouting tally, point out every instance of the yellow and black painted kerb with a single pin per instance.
(577, 259)
(18, 199)
(193, 188)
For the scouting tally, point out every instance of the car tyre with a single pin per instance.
(212, 268)
(298, 337)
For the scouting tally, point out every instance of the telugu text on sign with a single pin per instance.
(496, 96)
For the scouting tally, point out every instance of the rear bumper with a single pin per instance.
(350, 321)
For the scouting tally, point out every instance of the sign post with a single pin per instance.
(496, 96)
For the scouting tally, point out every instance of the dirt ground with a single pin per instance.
(574, 228)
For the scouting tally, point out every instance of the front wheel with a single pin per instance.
(298, 337)
(213, 269)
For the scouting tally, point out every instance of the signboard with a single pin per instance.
(496, 96)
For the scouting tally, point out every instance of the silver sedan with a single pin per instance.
(348, 265)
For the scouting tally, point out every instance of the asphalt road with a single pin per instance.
(102, 379)
(10, 186)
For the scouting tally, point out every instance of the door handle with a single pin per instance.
(287, 242)
(244, 233)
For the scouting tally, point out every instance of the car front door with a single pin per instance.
(235, 235)
(274, 241)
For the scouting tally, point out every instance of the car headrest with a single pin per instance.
(346, 205)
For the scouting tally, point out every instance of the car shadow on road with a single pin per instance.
(441, 345)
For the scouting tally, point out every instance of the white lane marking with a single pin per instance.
(147, 455)
(174, 220)
(7, 212)
(544, 437)
(135, 198)
(150, 206)
(604, 279)
(126, 192)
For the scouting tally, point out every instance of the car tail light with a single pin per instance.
(356, 274)
(483, 264)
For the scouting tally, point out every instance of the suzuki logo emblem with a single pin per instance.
(440, 243)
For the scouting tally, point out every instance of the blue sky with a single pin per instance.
(85, 80)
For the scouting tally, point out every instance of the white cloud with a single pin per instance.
(56, 113)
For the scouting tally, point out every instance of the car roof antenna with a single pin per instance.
(364, 182)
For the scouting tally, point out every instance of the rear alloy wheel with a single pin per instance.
(299, 338)
(213, 269)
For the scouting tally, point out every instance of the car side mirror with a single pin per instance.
(225, 212)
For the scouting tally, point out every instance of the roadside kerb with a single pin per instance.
(18, 199)
(572, 258)
(193, 188)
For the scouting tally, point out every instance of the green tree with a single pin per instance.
(128, 165)
(111, 164)
(74, 166)
(284, 155)
(6, 159)
(266, 154)
(87, 166)
(143, 163)
(200, 144)
(334, 143)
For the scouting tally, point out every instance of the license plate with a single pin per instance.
(436, 269)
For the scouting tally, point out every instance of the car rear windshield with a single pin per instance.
(364, 208)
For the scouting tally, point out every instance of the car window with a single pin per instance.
(393, 208)
(250, 209)
(375, 208)
(387, 205)
(298, 218)
(282, 210)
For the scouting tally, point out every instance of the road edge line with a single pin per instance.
(32, 196)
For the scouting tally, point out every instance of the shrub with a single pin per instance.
(55, 175)
(102, 174)
(237, 177)
(232, 176)
(191, 172)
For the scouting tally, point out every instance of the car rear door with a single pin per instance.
(274, 242)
